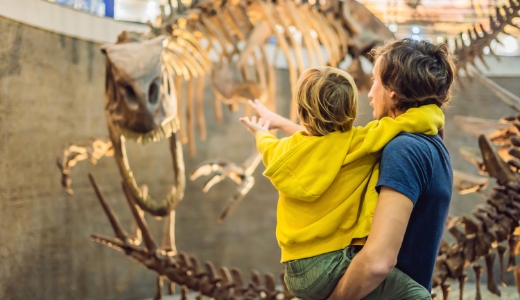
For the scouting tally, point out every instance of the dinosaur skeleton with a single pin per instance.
(481, 37)
(147, 75)
(227, 42)
(494, 224)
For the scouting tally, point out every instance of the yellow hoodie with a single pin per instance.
(327, 183)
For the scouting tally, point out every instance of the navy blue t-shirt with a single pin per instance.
(419, 167)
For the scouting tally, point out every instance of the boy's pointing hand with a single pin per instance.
(255, 125)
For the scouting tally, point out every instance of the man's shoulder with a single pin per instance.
(410, 141)
(416, 147)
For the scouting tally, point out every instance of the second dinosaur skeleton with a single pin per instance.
(495, 224)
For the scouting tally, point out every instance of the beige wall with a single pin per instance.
(51, 92)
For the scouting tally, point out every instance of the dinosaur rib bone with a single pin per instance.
(185, 270)
(507, 97)
(466, 183)
(491, 283)
(478, 271)
(501, 249)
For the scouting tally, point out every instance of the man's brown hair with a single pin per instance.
(419, 72)
(327, 100)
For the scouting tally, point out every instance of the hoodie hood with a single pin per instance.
(310, 167)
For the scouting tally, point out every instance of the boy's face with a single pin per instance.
(381, 97)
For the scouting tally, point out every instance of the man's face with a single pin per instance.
(381, 97)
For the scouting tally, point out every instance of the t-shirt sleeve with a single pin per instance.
(404, 168)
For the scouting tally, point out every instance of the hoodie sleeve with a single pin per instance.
(427, 119)
(268, 145)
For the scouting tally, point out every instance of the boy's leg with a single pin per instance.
(399, 286)
(315, 278)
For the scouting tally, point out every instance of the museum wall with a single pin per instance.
(51, 93)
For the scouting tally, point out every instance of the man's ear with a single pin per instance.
(393, 96)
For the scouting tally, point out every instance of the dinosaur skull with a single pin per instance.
(135, 103)
(140, 106)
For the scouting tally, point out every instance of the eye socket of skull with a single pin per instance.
(153, 92)
(130, 96)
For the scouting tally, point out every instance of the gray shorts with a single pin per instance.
(315, 278)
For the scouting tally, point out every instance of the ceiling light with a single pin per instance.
(510, 44)
(151, 11)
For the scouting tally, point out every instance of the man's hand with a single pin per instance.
(255, 125)
(275, 120)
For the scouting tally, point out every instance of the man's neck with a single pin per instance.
(394, 113)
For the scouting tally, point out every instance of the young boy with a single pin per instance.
(326, 179)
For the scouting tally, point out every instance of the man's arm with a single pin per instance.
(276, 121)
(379, 255)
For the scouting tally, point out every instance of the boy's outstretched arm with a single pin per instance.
(266, 143)
(275, 120)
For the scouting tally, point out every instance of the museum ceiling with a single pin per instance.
(434, 20)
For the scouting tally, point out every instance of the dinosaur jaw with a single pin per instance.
(162, 131)
(140, 195)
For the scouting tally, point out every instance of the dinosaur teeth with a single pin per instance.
(165, 130)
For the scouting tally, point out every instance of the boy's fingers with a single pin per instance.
(266, 125)
(246, 122)
(256, 104)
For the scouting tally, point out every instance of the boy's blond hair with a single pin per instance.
(327, 100)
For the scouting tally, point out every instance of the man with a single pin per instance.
(416, 177)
